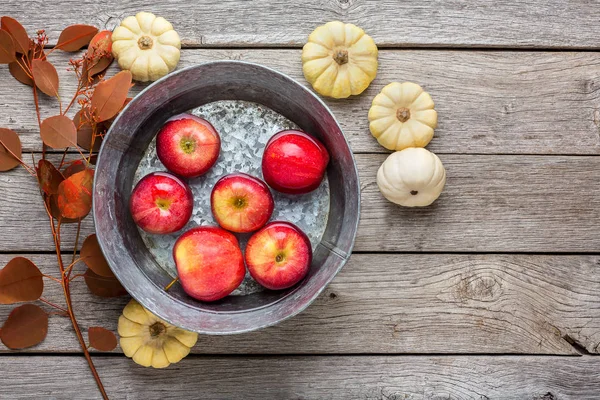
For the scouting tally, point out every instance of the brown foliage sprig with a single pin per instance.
(65, 186)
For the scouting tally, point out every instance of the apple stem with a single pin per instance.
(171, 284)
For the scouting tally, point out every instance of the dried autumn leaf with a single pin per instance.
(49, 177)
(58, 132)
(26, 326)
(45, 77)
(103, 286)
(16, 69)
(85, 134)
(74, 37)
(7, 48)
(9, 143)
(102, 339)
(100, 65)
(75, 194)
(20, 280)
(110, 95)
(18, 33)
(92, 256)
(52, 202)
(73, 168)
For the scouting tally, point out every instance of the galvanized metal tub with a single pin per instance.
(121, 153)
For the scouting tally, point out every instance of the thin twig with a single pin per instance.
(53, 305)
(53, 278)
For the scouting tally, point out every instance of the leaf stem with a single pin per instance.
(67, 294)
(43, 300)
(53, 278)
(75, 247)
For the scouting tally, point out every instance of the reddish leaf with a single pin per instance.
(52, 202)
(59, 132)
(16, 70)
(9, 140)
(49, 177)
(74, 37)
(20, 280)
(110, 95)
(102, 339)
(7, 48)
(18, 33)
(73, 168)
(45, 77)
(103, 286)
(75, 194)
(85, 134)
(100, 65)
(26, 326)
(92, 256)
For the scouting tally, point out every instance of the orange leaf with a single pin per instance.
(26, 326)
(102, 339)
(16, 70)
(45, 77)
(92, 256)
(7, 48)
(49, 177)
(59, 132)
(52, 203)
(110, 95)
(102, 286)
(74, 37)
(75, 194)
(20, 280)
(74, 167)
(18, 33)
(9, 140)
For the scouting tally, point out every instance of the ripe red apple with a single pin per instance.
(279, 255)
(187, 145)
(161, 203)
(101, 42)
(294, 162)
(241, 203)
(209, 262)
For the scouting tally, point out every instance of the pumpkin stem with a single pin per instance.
(341, 56)
(403, 114)
(145, 43)
(157, 329)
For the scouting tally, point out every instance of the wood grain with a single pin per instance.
(356, 377)
(488, 102)
(490, 204)
(401, 304)
(548, 23)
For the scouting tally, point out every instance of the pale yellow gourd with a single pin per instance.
(149, 340)
(402, 116)
(147, 46)
(413, 177)
(339, 60)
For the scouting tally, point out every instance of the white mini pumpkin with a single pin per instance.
(413, 177)
(147, 46)
(402, 115)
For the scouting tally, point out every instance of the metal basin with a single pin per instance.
(122, 151)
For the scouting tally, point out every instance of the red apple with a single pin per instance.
(187, 145)
(294, 162)
(161, 203)
(241, 203)
(209, 262)
(279, 255)
(101, 42)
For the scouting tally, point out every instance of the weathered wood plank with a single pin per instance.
(490, 204)
(549, 23)
(402, 304)
(488, 102)
(356, 377)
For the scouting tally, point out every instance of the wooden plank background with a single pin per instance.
(433, 300)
